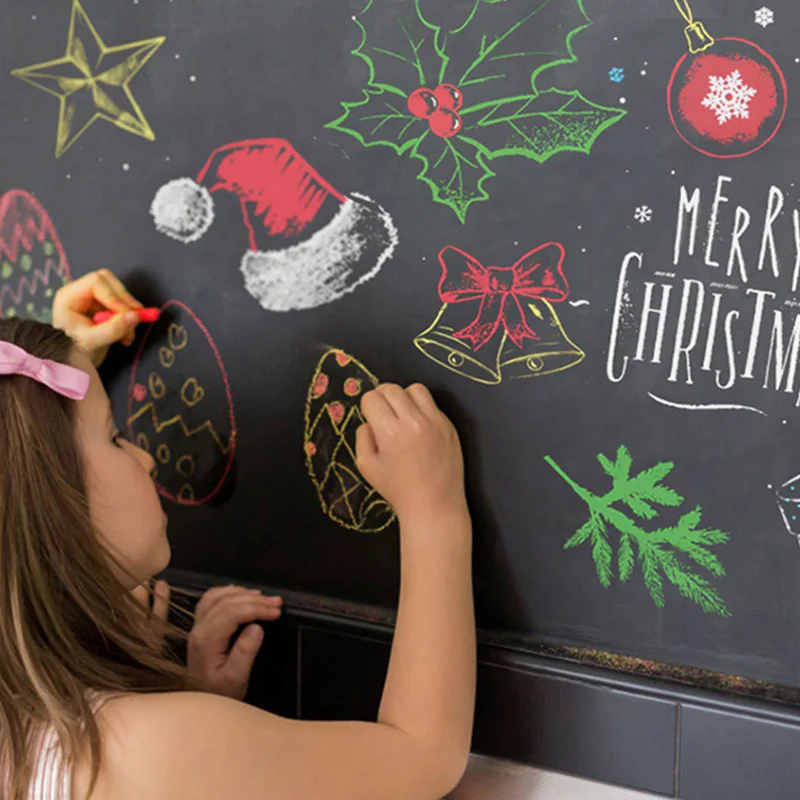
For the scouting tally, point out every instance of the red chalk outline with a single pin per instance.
(231, 417)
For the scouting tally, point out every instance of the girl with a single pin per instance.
(91, 705)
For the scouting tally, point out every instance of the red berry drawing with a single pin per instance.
(726, 97)
(449, 96)
(422, 102)
(445, 123)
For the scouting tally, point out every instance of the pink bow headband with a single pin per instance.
(61, 378)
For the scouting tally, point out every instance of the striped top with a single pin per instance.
(52, 776)
(50, 781)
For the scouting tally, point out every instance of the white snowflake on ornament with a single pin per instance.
(729, 97)
(643, 214)
(764, 16)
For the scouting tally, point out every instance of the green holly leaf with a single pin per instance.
(494, 52)
(502, 48)
(455, 169)
(381, 118)
(401, 57)
(539, 126)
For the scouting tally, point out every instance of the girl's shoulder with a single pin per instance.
(205, 746)
(149, 742)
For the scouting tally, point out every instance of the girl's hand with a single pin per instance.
(77, 301)
(409, 451)
(219, 666)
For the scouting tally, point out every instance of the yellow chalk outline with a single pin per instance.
(342, 442)
(178, 418)
(49, 77)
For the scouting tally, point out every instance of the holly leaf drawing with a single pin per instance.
(501, 48)
(493, 51)
(455, 169)
(400, 52)
(539, 126)
(381, 118)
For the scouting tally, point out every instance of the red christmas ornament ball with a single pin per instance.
(729, 100)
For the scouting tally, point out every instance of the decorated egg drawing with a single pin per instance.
(33, 265)
(180, 408)
(333, 416)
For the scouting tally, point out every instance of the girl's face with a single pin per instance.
(124, 503)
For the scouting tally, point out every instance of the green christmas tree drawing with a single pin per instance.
(669, 552)
(454, 87)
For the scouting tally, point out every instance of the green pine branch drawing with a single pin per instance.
(494, 53)
(672, 552)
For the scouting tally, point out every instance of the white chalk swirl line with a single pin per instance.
(576, 303)
(707, 407)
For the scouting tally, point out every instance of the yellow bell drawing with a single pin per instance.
(552, 352)
(440, 345)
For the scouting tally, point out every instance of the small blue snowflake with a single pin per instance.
(616, 74)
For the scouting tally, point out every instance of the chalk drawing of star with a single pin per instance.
(92, 81)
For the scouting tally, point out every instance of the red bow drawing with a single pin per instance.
(538, 274)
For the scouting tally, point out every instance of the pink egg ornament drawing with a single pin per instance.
(33, 264)
(180, 408)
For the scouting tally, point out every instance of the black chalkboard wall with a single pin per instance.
(568, 168)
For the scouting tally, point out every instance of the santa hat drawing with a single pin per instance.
(308, 244)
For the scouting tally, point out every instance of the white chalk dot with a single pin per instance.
(627, 172)
(644, 72)
(797, 61)
(623, 100)
(516, 243)
(166, 158)
(616, 38)
(647, 127)
(769, 486)
(423, 257)
(177, 56)
(193, 78)
(580, 227)
(672, 172)
(68, 176)
(33, 17)
(126, 167)
(583, 249)
(645, 63)
(784, 422)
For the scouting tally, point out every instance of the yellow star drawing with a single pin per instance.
(91, 81)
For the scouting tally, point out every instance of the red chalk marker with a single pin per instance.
(144, 314)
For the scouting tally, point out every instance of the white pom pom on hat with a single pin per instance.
(183, 210)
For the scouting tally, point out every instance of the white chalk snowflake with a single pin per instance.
(643, 214)
(764, 16)
(729, 97)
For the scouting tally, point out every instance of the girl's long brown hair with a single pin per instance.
(67, 625)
